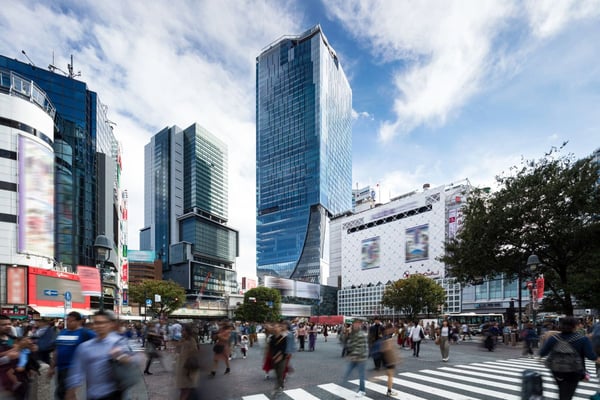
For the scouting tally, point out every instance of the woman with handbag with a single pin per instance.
(388, 352)
(221, 349)
(153, 342)
(187, 366)
(417, 334)
(443, 339)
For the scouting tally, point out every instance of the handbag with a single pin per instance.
(125, 375)
(218, 348)
(421, 333)
(438, 340)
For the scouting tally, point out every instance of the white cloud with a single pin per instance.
(155, 66)
(445, 50)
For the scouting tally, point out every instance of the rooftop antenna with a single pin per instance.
(70, 68)
(28, 59)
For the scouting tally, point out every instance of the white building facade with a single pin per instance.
(394, 241)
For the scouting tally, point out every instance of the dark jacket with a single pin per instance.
(583, 345)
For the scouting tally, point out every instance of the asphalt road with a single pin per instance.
(325, 365)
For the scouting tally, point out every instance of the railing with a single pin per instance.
(17, 85)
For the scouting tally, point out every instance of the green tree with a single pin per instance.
(172, 296)
(549, 207)
(414, 295)
(261, 304)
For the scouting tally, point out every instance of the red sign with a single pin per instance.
(539, 283)
(125, 272)
(47, 287)
(15, 290)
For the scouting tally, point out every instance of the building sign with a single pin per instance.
(15, 290)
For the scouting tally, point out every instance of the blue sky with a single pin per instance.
(442, 90)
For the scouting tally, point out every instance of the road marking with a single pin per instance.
(300, 394)
(341, 391)
(428, 389)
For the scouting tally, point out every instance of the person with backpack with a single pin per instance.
(566, 352)
(45, 337)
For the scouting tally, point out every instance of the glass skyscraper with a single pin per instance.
(303, 154)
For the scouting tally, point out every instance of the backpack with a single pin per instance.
(46, 342)
(564, 357)
(596, 337)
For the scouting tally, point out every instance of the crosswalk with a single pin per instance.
(491, 380)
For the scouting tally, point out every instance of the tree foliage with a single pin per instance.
(549, 207)
(172, 295)
(261, 304)
(414, 295)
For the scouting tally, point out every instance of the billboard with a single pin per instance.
(290, 287)
(36, 198)
(370, 250)
(15, 291)
(47, 288)
(417, 243)
(147, 256)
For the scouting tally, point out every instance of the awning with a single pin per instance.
(59, 312)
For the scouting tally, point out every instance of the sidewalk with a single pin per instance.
(159, 385)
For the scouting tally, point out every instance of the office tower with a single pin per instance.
(303, 154)
(82, 135)
(185, 210)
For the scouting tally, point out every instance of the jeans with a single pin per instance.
(360, 365)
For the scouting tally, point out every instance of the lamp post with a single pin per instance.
(532, 263)
(103, 246)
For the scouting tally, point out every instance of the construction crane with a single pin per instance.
(201, 292)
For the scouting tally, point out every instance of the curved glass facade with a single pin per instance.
(303, 153)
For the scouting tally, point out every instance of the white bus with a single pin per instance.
(475, 320)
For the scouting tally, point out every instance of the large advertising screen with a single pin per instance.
(290, 287)
(47, 288)
(370, 250)
(417, 243)
(36, 198)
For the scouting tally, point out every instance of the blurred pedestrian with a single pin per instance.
(358, 352)
(278, 346)
(221, 348)
(187, 365)
(92, 361)
(389, 358)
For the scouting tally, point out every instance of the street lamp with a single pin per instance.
(532, 263)
(103, 246)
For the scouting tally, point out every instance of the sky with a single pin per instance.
(443, 91)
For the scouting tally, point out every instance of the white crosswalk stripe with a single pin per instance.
(492, 380)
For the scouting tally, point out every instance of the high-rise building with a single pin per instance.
(303, 154)
(85, 168)
(186, 205)
(83, 135)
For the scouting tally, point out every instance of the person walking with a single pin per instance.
(416, 335)
(92, 361)
(444, 333)
(277, 348)
(465, 332)
(153, 343)
(301, 334)
(375, 335)
(7, 354)
(187, 364)
(325, 332)
(312, 337)
(67, 342)
(221, 349)
(530, 338)
(389, 359)
(358, 352)
(567, 380)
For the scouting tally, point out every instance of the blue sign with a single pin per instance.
(148, 303)
(50, 292)
(68, 296)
